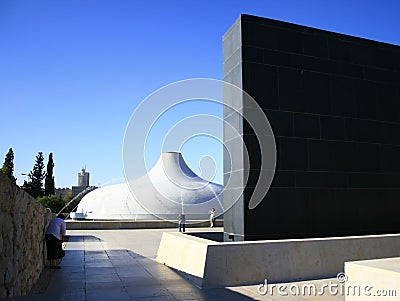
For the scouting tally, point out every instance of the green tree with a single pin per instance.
(53, 202)
(36, 176)
(49, 179)
(8, 165)
(71, 206)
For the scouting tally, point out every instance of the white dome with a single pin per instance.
(168, 189)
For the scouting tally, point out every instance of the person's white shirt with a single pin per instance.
(212, 214)
(57, 228)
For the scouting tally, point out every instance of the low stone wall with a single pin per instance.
(139, 224)
(23, 223)
(376, 279)
(212, 264)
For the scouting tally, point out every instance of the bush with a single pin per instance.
(53, 202)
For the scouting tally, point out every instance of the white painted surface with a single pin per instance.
(169, 188)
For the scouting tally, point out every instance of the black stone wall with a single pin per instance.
(333, 102)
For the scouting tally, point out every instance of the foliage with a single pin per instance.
(53, 202)
(56, 203)
(71, 206)
(35, 183)
(8, 165)
(49, 179)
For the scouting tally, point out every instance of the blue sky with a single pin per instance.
(72, 72)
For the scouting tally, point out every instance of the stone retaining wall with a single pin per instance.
(284, 260)
(23, 222)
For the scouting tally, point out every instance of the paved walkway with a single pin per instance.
(119, 265)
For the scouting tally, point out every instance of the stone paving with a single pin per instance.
(119, 265)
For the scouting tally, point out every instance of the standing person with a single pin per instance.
(54, 239)
(182, 222)
(212, 217)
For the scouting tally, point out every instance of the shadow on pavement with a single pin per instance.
(90, 271)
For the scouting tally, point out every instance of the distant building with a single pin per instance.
(63, 192)
(83, 182)
(83, 178)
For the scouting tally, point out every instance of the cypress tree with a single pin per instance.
(49, 179)
(36, 176)
(8, 165)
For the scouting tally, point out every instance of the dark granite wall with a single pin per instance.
(333, 102)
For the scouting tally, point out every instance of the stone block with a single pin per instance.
(377, 278)
(246, 263)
